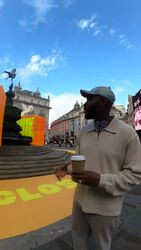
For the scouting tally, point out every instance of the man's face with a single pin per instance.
(94, 106)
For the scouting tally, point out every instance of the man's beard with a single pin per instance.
(87, 116)
(91, 115)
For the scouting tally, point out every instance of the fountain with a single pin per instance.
(11, 130)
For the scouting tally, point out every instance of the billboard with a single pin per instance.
(2, 109)
(137, 112)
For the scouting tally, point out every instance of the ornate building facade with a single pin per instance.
(31, 103)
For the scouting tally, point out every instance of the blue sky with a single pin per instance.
(62, 46)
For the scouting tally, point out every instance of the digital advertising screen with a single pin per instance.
(137, 112)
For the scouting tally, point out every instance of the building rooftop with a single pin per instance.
(36, 94)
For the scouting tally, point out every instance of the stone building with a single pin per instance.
(129, 116)
(67, 127)
(31, 103)
(118, 111)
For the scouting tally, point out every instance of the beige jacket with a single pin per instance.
(116, 155)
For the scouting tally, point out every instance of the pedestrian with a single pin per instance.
(113, 167)
(59, 143)
(71, 143)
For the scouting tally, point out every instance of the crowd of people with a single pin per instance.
(65, 142)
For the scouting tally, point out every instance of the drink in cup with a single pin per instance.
(78, 162)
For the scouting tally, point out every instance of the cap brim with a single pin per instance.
(85, 93)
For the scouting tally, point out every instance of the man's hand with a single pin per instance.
(85, 177)
(61, 171)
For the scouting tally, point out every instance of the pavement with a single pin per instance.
(128, 235)
(57, 235)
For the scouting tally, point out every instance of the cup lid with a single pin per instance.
(78, 158)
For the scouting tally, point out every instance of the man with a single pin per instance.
(113, 167)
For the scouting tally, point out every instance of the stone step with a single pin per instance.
(8, 152)
(19, 160)
(31, 166)
(27, 170)
(21, 173)
(24, 154)
(22, 162)
(17, 163)
(25, 175)
(22, 148)
(34, 164)
(25, 157)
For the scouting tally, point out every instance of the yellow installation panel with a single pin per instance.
(33, 126)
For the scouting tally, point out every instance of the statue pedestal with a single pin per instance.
(30, 161)
(11, 130)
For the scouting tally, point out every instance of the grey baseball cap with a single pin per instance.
(101, 90)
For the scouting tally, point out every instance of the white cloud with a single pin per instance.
(1, 3)
(38, 65)
(112, 31)
(91, 25)
(66, 3)
(5, 64)
(128, 84)
(121, 83)
(97, 32)
(83, 24)
(40, 10)
(62, 104)
(4, 61)
(120, 93)
(94, 27)
(121, 36)
(118, 90)
(88, 24)
(25, 25)
(123, 40)
(41, 7)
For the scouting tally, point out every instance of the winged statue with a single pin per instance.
(11, 74)
(26, 109)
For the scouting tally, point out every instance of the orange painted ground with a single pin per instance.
(32, 203)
